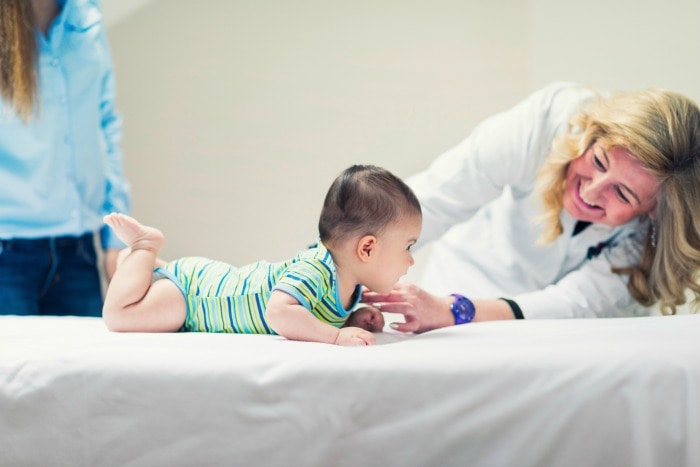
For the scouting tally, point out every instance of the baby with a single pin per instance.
(369, 222)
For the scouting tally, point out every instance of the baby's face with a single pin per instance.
(393, 254)
(368, 318)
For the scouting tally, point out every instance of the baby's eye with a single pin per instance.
(408, 248)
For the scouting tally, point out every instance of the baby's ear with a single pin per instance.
(366, 247)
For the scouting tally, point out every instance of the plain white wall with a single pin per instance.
(238, 114)
(617, 44)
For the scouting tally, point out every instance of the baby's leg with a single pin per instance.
(124, 252)
(132, 303)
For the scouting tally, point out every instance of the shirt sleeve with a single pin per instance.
(306, 281)
(591, 291)
(117, 197)
(505, 150)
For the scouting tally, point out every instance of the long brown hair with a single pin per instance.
(18, 57)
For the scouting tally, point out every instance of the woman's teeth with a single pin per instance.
(588, 204)
(580, 194)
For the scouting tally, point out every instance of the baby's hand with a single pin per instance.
(354, 336)
(368, 318)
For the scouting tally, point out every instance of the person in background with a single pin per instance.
(572, 204)
(60, 160)
(369, 222)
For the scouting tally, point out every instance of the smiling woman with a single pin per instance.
(574, 203)
(609, 186)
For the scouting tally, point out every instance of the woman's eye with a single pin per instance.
(622, 196)
(597, 163)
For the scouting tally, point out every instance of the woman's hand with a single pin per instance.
(421, 310)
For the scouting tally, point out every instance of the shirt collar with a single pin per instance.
(76, 16)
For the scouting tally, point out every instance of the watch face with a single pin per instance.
(463, 310)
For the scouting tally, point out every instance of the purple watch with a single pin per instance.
(462, 309)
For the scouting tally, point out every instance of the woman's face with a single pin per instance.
(608, 186)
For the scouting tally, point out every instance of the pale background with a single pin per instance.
(239, 114)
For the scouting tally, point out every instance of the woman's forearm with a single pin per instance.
(492, 310)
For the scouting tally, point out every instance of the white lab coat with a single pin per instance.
(479, 208)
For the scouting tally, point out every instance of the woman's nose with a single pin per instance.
(590, 192)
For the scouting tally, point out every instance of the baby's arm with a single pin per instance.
(290, 319)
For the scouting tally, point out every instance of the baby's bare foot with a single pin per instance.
(136, 235)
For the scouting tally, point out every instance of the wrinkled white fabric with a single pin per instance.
(614, 392)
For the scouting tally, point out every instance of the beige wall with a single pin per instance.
(238, 114)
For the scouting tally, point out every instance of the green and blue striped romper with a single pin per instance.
(223, 298)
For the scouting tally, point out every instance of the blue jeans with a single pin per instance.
(50, 276)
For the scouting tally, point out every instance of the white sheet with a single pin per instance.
(614, 392)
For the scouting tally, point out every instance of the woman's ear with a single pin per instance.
(366, 247)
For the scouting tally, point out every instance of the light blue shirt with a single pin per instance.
(61, 172)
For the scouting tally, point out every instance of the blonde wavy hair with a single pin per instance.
(18, 57)
(661, 129)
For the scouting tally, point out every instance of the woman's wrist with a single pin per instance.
(484, 310)
(462, 309)
(445, 317)
(514, 308)
(492, 310)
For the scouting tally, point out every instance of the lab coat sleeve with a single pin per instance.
(591, 291)
(504, 150)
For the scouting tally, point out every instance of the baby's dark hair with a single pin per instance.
(364, 200)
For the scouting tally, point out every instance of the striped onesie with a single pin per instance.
(222, 298)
